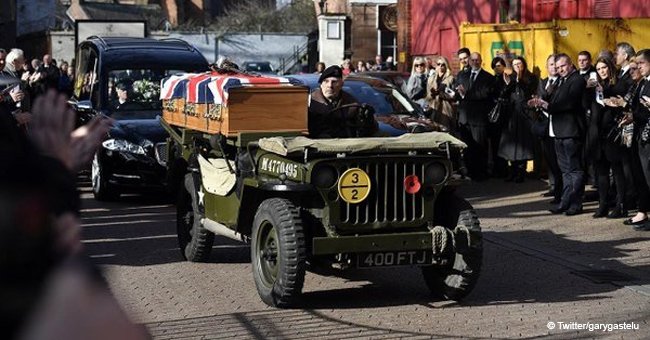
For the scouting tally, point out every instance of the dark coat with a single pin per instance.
(478, 100)
(603, 120)
(323, 122)
(641, 113)
(566, 108)
(517, 141)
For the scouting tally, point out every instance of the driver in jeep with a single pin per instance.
(334, 113)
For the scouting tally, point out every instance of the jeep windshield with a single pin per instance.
(135, 93)
(386, 100)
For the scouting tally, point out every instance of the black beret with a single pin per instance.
(332, 71)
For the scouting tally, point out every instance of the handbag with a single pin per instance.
(495, 113)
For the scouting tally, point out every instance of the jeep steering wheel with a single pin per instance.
(364, 119)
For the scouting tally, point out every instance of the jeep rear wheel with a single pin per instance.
(456, 280)
(194, 241)
(278, 252)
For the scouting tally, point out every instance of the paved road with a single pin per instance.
(541, 273)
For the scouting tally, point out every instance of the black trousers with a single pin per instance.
(602, 167)
(641, 156)
(569, 159)
(555, 175)
(476, 155)
(499, 165)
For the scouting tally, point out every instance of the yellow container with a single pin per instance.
(536, 41)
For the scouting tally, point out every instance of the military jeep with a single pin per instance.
(334, 204)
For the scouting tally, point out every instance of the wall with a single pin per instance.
(434, 24)
(7, 24)
(62, 45)
(363, 32)
(544, 10)
(34, 16)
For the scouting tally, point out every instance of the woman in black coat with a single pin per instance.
(604, 144)
(517, 141)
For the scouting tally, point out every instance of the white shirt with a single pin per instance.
(550, 80)
(624, 69)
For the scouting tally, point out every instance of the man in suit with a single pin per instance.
(546, 88)
(474, 92)
(641, 115)
(624, 54)
(567, 126)
(463, 60)
(585, 66)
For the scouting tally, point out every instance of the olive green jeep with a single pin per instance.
(334, 204)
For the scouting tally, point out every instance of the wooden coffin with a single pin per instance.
(249, 109)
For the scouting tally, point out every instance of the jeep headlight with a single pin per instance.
(122, 145)
(324, 176)
(435, 173)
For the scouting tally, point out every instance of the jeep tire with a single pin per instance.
(456, 280)
(278, 252)
(194, 241)
(102, 190)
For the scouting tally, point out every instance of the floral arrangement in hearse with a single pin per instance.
(147, 90)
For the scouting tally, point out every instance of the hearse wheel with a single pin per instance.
(456, 280)
(278, 252)
(194, 241)
(102, 190)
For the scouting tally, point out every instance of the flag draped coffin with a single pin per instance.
(232, 103)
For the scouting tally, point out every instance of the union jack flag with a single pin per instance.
(221, 83)
(175, 86)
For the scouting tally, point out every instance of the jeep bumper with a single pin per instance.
(372, 243)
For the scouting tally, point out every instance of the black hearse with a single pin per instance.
(120, 78)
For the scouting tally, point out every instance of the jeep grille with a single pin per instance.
(387, 201)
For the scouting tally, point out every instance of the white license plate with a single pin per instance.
(395, 258)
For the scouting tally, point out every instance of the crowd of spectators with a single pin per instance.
(379, 64)
(48, 288)
(584, 123)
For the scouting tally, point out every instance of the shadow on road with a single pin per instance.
(140, 231)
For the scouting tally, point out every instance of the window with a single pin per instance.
(333, 30)
(86, 76)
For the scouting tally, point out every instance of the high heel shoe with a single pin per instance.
(618, 212)
(601, 212)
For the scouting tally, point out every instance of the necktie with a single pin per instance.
(472, 78)
(559, 83)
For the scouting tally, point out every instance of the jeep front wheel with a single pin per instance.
(194, 241)
(457, 279)
(278, 252)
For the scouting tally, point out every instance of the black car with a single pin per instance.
(120, 78)
(394, 112)
(261, 67)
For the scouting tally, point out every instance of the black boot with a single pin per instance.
(520, 172)
(618, 212)
(601, 212)
(512, 173)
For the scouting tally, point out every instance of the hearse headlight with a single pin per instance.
(324, 176)
(435, 173)
(122, 145)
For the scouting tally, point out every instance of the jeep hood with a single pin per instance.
(407, 142)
